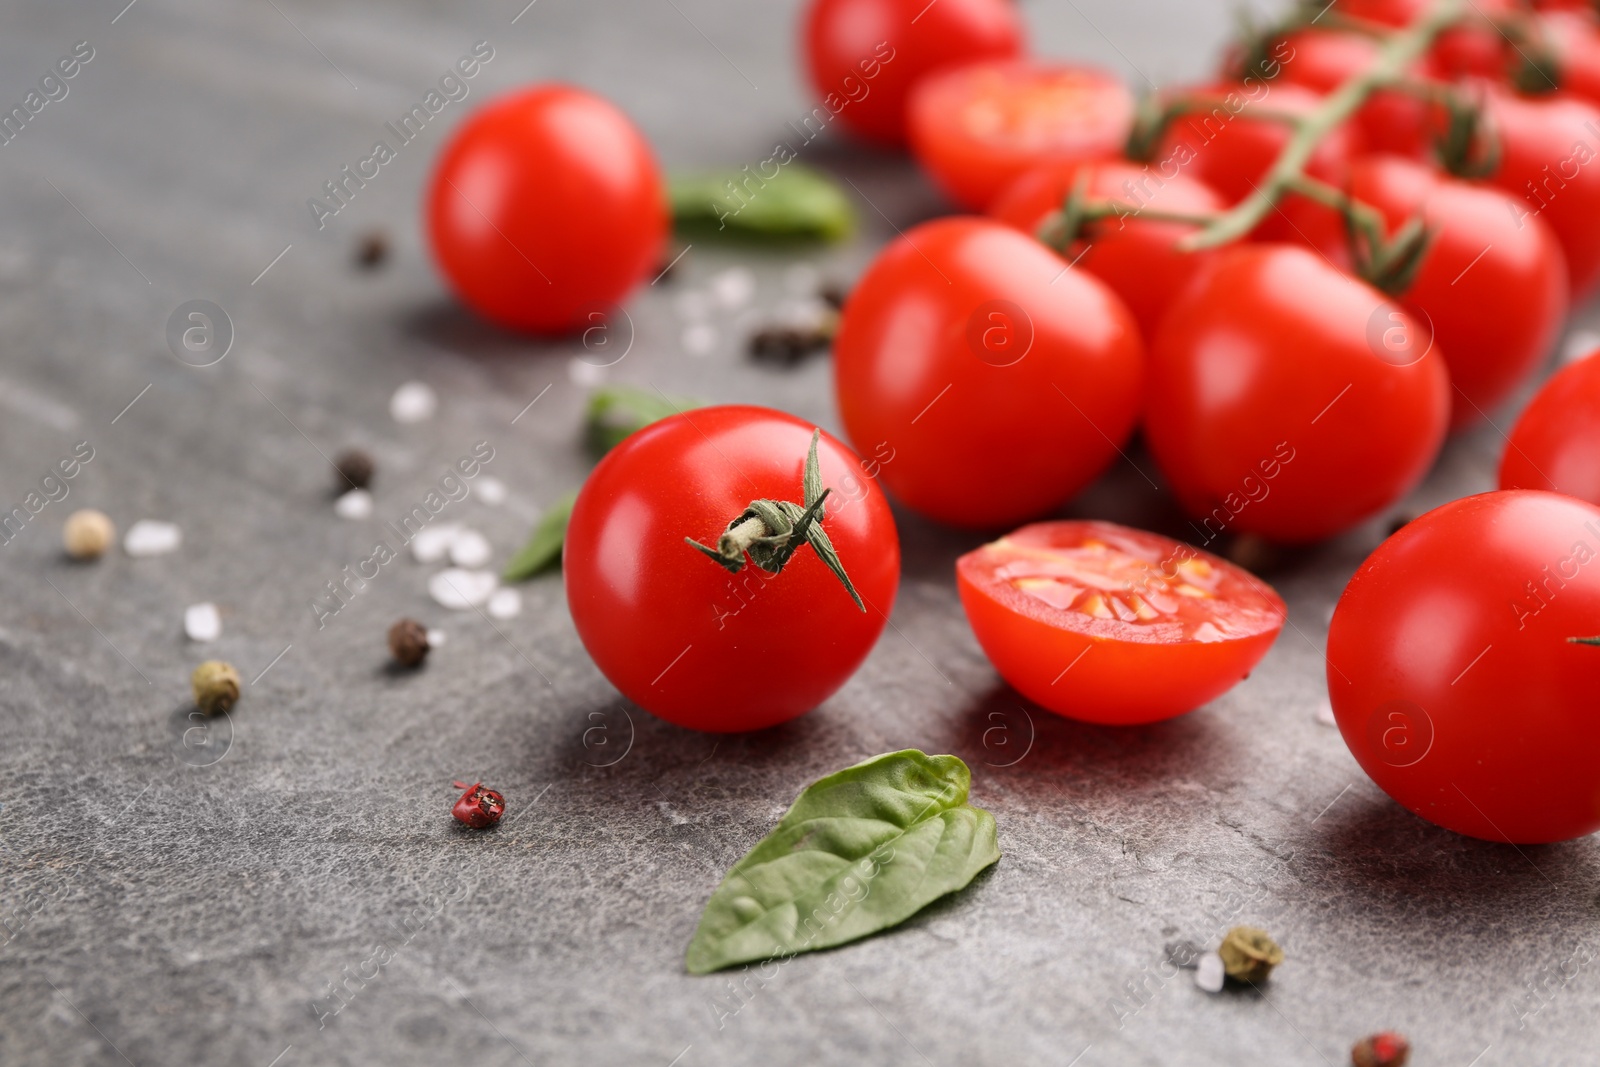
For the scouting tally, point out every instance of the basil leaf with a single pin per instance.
(797, 202)
(859, 851)
(544, 545)
(616, 411)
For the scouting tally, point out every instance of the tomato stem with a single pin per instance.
(1584, 640)
(769, 532)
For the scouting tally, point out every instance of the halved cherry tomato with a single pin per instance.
(978, 127)
(1556, 443)
(864, 56)
(1113, 625)
(1137, 257)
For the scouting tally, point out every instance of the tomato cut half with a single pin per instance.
(1108, 624)
(978, 127)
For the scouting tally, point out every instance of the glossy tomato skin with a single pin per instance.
(1555, 445)
(864, 56)
(1551, 162)
(1323, 60)
(1120, 670)
(1492, 286)
(978, 128)
(1274, 407)
(997, 382)
(684, 638)
(1136, 257)
(545, 209)
(1452, 677)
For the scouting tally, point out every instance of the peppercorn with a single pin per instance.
(1249, 954)
(88, 533)
(355, 469)
(408, 642)
(1386, 1049)
(216, 686)
(479, 808)
(372, 250)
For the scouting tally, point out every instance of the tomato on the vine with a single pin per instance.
(1556, 443)
(1491, 287)
(1113, 625)
(546, 208)
(998, 381)
(683, 635)
(864, 56)
(1454, 674)
(977, 128)
(1322, 60)
(1278, 407)
(1137, 257)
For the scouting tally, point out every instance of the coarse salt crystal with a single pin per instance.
(505, 604)
(491, 490)
(470, 549)
(699, 339)
(432, 543)
(356, 504)
(413, 402)
(1210, 973)
(734, 287)
(1579, 345)
(1325, 714)
(459, 589)
(585, 375)
(201, 622)
(151, 537)
(436, 638)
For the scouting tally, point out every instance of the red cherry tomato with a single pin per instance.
(1471, 48)
(993, 382)
(1107, 624)
(1491, 288)
(1275, 406)
(864, 56)
(1551, 160)
(1323, 60)
(1452, 674)
(977, 128)
(677, 633)
(1230, 142)
(1136, 257)
(546, 207)
(1556, 443)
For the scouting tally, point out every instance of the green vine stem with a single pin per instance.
(1394, 59)
(1584, 640)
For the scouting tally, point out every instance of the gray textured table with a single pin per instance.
(159, 911)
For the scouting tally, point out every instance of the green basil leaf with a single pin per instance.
(796, 202)
(615, 411)
(859, 851)
(544, 545)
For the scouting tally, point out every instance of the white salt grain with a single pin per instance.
(491, 490)
(459, 589)
(733, 288)
(432, 543)
(1579, 345)
(1210, 973)
(356, 504)
(1325, 714)
(505, 604)
(201, 622)
(699, 339)
(470, 549)
(585, 375)
(151, 537)
(413, 402)
(436, 638)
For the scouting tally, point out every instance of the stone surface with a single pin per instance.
(182, 890)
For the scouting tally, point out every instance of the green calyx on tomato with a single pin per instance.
(770, 532)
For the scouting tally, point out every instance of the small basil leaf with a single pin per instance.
(796, 202)
(544, 544)
(859, 851)
(616, 411)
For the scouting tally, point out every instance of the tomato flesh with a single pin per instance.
(1109, 624)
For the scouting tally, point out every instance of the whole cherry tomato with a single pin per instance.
(1556, 443)
(864, 56)
(1137, 257)
(977, 128)
(1231, 135)
(679, 633)
(1453, 672)
(1549, 149)
(1470, 48)
(1277, 404)
(1108, 624)
(546, 207)
(998, 381)
(1491, 289)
